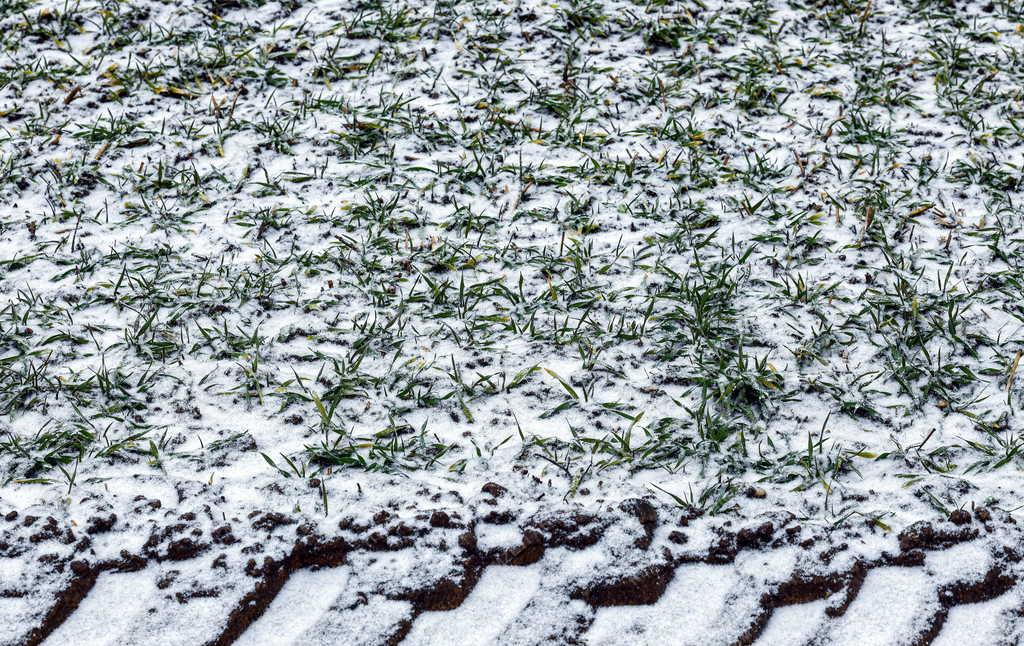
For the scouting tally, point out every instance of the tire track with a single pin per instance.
(618, 578)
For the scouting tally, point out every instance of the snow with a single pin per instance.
(890, 608)
(987, 622)
(685, 614)
(105, 616)
(396, 211)
(181, 624)
(361, 625)
(17, 615)
(501, 593)
(306, 597)
(795, 624)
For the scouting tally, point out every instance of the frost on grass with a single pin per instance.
(742, 257)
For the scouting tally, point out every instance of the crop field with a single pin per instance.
(511, 322)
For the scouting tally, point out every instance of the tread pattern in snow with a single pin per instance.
(637, 574)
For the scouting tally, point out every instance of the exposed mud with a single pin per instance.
(644, 587)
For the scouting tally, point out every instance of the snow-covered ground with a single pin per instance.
(598, 321)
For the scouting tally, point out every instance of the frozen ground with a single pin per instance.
(595, 321)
